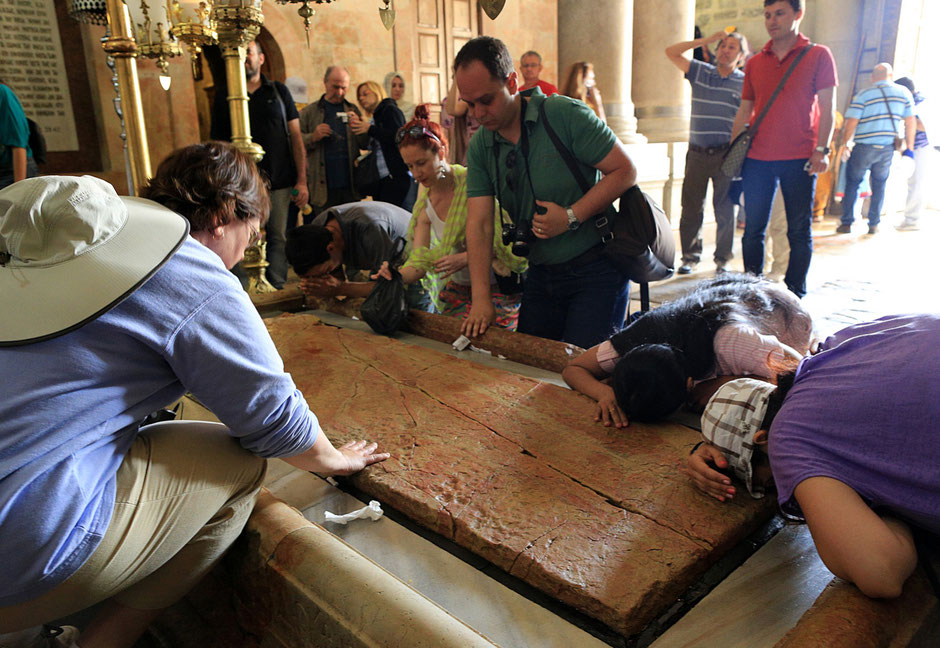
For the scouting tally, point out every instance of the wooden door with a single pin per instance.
(443, 26)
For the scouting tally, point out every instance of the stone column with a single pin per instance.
(600, 32)
(660, 92)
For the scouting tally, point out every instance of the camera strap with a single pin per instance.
(524, 145)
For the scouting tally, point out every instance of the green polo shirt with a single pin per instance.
(586, 136)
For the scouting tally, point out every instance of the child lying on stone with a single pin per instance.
(850, 438)
(732, 325)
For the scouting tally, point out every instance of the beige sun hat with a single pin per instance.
(732, 417)
(71, 249)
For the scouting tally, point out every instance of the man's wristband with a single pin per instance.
(696, 447)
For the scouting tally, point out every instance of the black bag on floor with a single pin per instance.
(385, 309)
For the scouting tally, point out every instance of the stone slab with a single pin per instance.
(517, 472)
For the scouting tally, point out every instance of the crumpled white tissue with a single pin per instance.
(373, 511)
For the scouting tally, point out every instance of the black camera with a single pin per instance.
(518, 236)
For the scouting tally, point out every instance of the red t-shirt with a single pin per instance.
(789, 130)
(547, 88)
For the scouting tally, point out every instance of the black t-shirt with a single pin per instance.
(268, 129)
(337, 147)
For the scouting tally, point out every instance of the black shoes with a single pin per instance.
(686, 268)
(872, 229)
(844, 229)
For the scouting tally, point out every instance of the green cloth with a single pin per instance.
(14, 131)
(589, 140)
(455, 236)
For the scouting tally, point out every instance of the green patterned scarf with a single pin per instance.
(455, 232)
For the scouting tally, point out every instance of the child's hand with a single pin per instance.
(700, 468)
(383, 272)
(608, 411)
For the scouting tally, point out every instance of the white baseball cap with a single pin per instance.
(71, 249)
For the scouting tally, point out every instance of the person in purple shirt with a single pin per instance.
(111, 311)
(851, 441)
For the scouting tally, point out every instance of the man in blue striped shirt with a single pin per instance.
(716, 96)
(871, 128)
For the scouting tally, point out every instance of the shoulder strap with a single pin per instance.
(280, 103)
(796, 61)
(566, 155)
(888, 104)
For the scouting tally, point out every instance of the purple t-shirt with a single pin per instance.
(865, 411)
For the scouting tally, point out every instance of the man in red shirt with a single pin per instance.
(531, 65)
(789, 146)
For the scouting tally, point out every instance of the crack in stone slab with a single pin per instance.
(702, 542)
(532, 542)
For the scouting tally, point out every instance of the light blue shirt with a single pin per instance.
(875, 124)
(69, 408)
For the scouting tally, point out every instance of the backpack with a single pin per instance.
(37, 142)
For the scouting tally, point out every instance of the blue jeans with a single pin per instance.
(864, 157)
(760, 180)
(580, 303)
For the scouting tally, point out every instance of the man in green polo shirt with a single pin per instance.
(572, 293)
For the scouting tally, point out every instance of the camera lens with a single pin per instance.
(520, 248)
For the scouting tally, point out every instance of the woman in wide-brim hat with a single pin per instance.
(113, 308)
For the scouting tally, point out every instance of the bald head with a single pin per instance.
(882, 72)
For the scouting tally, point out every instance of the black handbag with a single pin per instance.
(639, 241)
(366, 173)
(385, 309)
(734, 157)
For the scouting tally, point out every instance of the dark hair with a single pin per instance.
(689, 324)
(306, 247)
(489, 51)
(775, 402)
(210, 184)
(908, 83)
(257, 44)
(796, 4)
(422, 119)
(649, 382)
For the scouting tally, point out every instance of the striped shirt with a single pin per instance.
(715, 101)
(875, 123)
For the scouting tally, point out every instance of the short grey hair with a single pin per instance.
(531, 53)
(331, 68)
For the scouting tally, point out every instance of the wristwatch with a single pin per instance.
(823, 149)
(573, 222)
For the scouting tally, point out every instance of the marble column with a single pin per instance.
(600, 32)
(660, 92)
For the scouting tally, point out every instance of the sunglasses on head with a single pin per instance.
(415, 132)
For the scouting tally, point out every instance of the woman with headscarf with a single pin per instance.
(395, 88)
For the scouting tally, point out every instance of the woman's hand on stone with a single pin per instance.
(356, 455)
(383, 272)
(608, 411)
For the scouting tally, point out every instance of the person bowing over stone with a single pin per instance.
(114, 308)
(731, 325)
(858, 465)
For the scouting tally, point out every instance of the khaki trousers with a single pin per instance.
(184, 493)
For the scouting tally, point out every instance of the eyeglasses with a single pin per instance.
(255, 234)
(415, 132)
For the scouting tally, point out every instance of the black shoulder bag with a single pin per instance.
(639, 242)
(899, 142)
(735, 155)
